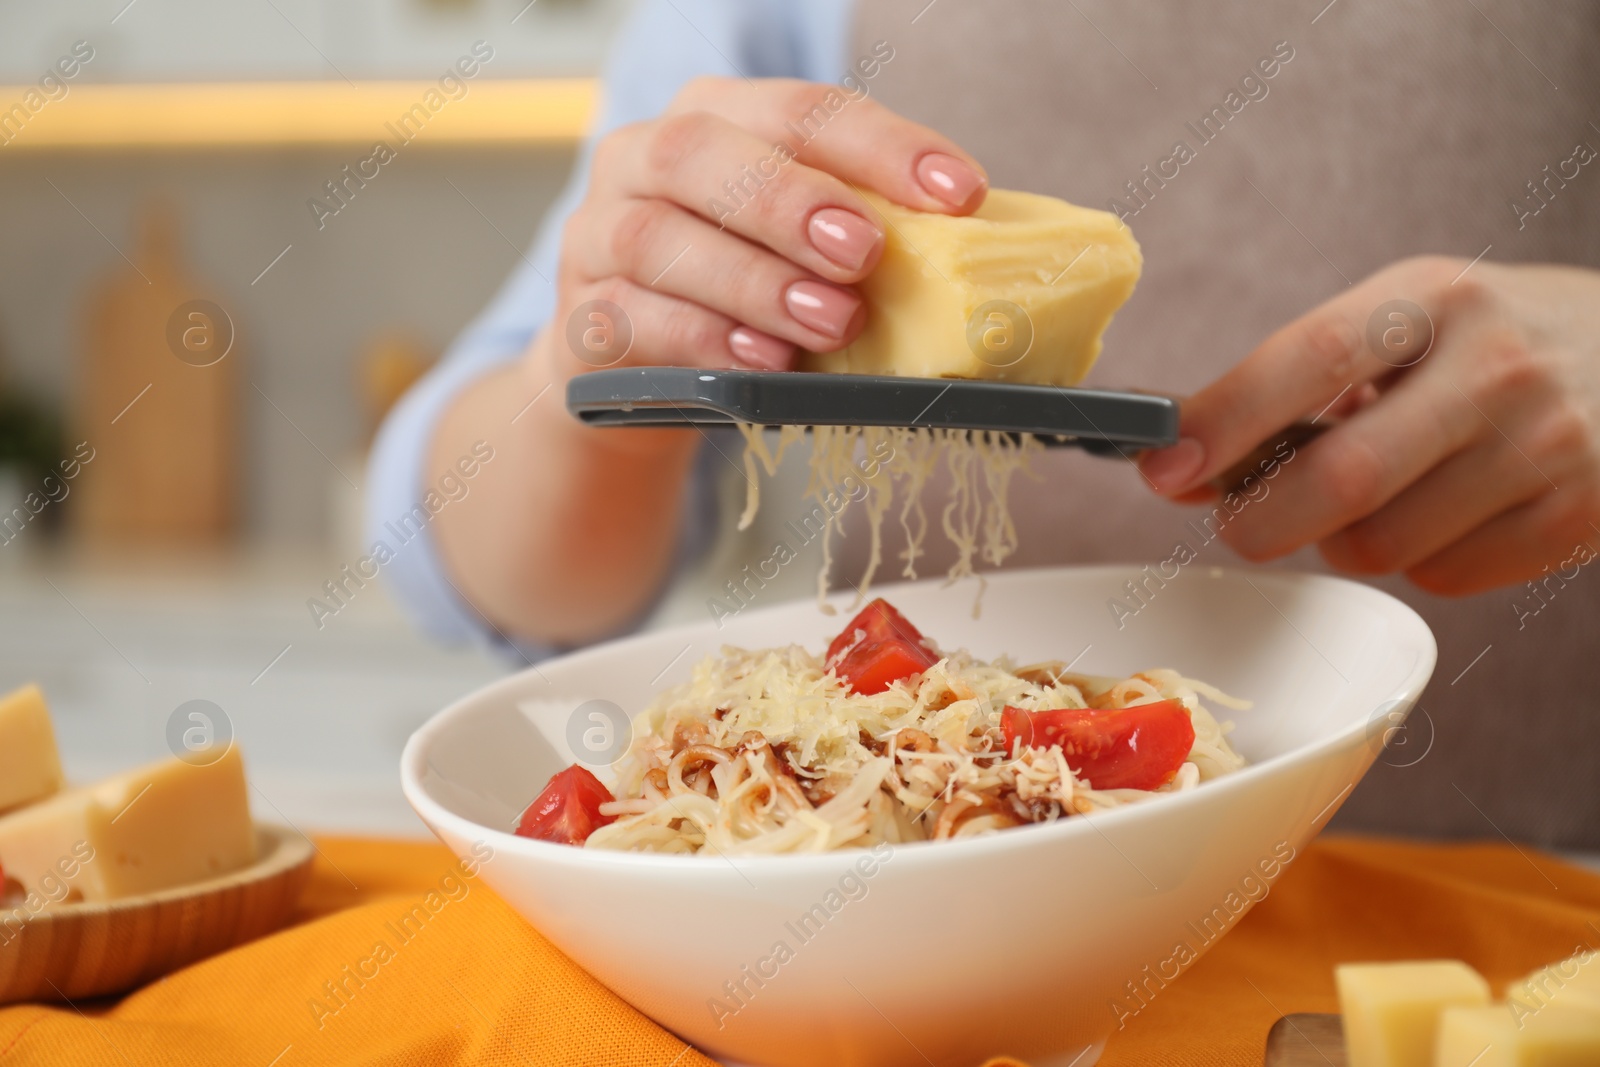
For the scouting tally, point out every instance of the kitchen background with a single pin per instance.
(174, 165)
(178, 564)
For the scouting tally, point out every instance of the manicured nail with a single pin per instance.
(1171, 470)
(949, 179)
(825, 308)
(843, 236)
(759, 349)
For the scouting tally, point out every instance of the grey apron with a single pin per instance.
(1395, 128)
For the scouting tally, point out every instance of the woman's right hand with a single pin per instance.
(729, 230)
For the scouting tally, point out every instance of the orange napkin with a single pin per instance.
(469, 983)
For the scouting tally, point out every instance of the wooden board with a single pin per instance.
(1306, 1040)
(162, 420)
(73, 951)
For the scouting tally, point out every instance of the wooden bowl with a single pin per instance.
(1306, 1040)
(70, 951)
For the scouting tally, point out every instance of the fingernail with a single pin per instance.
(825, 308)
(759, 349)
(843, 236)
(1172, 469)
(949, 179)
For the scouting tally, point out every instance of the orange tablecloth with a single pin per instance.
(477, 986)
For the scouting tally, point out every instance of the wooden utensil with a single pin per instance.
(70, 951)
(1306, 1039)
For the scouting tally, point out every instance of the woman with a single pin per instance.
(1306, 184)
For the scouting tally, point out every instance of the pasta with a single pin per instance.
(782, 750)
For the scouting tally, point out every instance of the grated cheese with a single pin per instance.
(976, 517)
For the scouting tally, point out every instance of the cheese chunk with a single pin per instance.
(1559, 1036)
(1573, 982)
(166, 825)
(30, 767)
(1554, 1036)
(1476, 1037)
(944, 299)
(1391, 1010)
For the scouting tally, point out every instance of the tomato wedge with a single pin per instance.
(568, 810)
(1140, 747)
(877, 622)
(872, 668)
(879, 648)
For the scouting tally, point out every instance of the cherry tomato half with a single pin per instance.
(878, 648)
(568, 810)
(1140, 747)
(878, 621)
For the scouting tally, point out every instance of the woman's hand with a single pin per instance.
(1468, 451)
(730, 229)
(725, 233)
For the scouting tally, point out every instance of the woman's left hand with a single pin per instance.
(1465, 445)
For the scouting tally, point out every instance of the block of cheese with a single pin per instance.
(161, 826)
(1554, 1036)
(1559, 1036)
(30, 767)
(1573, 982)
(1479, 1037)
(1020, 290)
(1391, 1010)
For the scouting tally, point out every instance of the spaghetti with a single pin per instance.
(885, 739)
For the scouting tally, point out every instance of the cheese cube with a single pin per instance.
(1476, 1037)
(1573, 982)
(30, 767)
(1554, 1036)
(1391, 1010)
(166, 825)
(1559, 1036)
(1020, 291)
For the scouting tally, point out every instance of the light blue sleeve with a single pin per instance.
(664, 44)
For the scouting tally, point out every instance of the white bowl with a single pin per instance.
(1038, 942)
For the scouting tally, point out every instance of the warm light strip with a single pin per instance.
(543, 111)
